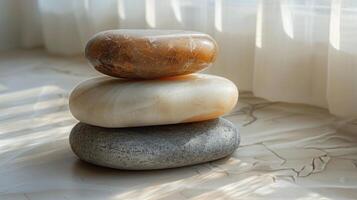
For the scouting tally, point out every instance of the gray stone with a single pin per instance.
(155, 147)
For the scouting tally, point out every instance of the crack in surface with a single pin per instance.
(249, 111)
(323, 159)
(269, 149)
(276, 154)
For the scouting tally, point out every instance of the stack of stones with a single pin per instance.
(152, 111)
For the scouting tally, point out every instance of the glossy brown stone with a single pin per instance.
(147, 54)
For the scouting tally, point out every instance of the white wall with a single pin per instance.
(10, 29)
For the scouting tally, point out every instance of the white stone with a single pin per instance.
(112, 102)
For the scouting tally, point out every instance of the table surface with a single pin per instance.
(288, 151)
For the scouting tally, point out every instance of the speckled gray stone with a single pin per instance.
(155, 147)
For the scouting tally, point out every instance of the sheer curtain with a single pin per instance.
(300, 51)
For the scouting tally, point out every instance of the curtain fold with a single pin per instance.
(292, 54)
(300, 51)
(342, 59)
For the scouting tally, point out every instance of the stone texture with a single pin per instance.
(115, 103)
(147, 54)
(155, 147)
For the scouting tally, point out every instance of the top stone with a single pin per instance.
(149, 54)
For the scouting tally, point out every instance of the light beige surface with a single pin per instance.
(110, 102)
(288, 151)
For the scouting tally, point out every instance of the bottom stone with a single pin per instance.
(155, 147)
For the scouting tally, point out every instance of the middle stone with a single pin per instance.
(114, 103)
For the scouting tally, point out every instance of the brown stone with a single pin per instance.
(147, 54)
